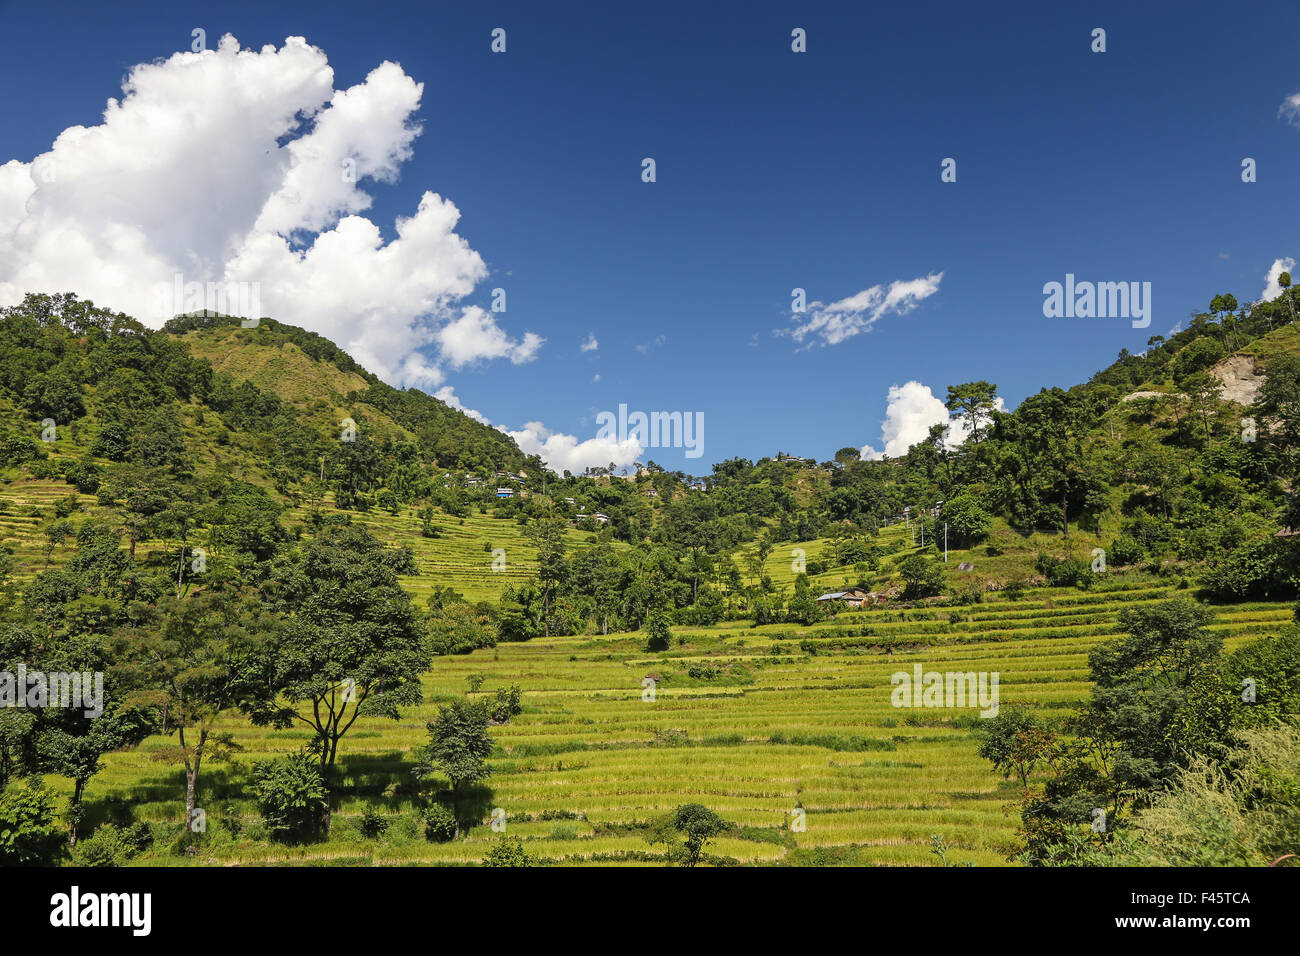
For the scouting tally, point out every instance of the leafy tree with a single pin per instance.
(966, 519)
(658, 634)
(196, 659)
(692, 824)
(459, 744)
(351, 642)
(921, 577)
(1015, 741)
(974, 403)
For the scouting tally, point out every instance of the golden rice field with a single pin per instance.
(778, 727)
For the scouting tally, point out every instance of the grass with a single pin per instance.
(777, 728)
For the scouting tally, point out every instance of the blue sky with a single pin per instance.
(778, 170)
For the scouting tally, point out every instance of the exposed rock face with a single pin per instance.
(1134, 396)
(1238, 376)
(1240, 379)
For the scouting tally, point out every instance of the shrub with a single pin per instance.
(1265, 568)
(506, 705)
(112, 845)
(29, 835)
(1065, 572)
(508, 851)
(373, 823)
(291, 796)
(439, 823)
(1126, 550)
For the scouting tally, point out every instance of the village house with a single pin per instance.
(850, 597)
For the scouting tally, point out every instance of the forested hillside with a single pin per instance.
(233, 523)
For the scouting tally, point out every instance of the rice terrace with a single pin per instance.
(555, 437)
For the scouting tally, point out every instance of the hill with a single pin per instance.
(208, 469)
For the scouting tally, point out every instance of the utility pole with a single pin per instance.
(945, 542)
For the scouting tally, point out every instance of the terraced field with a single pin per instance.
(774, 719)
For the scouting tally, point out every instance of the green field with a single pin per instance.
(778, 727)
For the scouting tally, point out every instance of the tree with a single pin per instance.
(547, 535)
(974, 403)
(658, 635)
(351, 642)
(966, 519)
(28, 834)
(1284, 280)
(921, 577)
(694, 825)
(459, 744)
(196, 659)
(1014, 741)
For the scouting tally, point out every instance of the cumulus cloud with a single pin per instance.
(591, 344)
(832, 324)
(1290, 109)
(1271, 288)
(561, 452)
(243, 170)
(476, 335)
(912, 410)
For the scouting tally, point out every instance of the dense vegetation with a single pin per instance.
(220, 551)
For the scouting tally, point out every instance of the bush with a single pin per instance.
(291, 796)
(506, 705)
(112, 845)
(439, 823)
(373, 823)
(1263, 569)
(1065, 573)
(1126, 550)
(28, 834)
(508, 851)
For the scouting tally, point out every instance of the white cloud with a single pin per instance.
(247, 166)
(561, 452)
(1272, 290)
(447, 395)
(1290, 108)
(911, 412)
(832, 324)
(591, 344)
(476, 335)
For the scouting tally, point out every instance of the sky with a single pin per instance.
(377, 172)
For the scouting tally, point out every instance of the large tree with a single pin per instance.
(351, 642)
